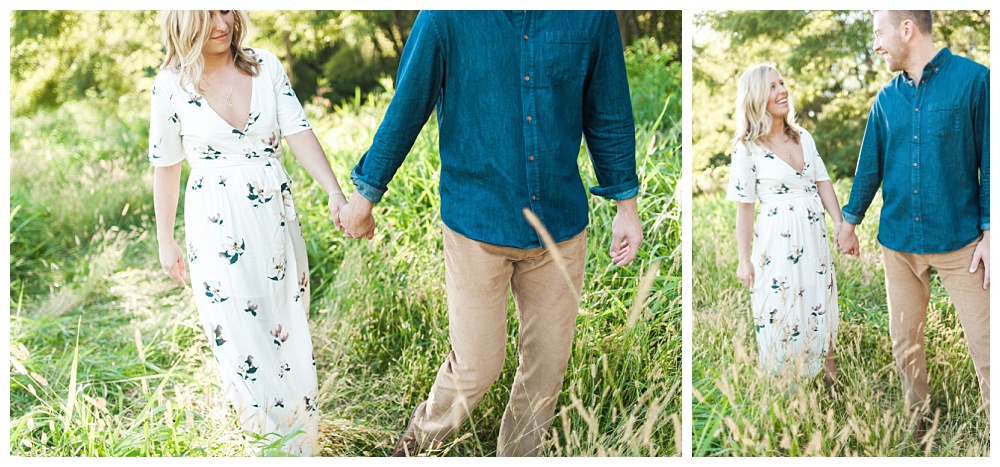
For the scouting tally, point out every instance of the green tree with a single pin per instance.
(827, 61)
(56, 58)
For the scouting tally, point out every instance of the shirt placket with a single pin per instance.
(529, 81)
(914, 188)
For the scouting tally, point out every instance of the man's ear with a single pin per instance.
(907, 30)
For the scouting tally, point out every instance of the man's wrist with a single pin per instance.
(630, 203)
(360, 199)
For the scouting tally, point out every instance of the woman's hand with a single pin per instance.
(172, 260)
(335, 202)
(745, 273)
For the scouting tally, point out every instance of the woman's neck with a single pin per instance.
(777, 130)
(215, 62)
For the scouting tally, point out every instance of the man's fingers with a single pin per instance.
(976, 258)
(617, 242)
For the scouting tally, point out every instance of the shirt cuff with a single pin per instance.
(984, 226)
(851, 218)
(370, 192)
(617, 192)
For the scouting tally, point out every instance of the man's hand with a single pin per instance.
(626, 233)
(847, 241)
(356, 218)
(982, 254)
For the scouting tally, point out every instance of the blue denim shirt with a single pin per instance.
(514, 94)
(928, 145)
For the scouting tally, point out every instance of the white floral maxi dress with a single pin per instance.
(794, 295)
(245, 247)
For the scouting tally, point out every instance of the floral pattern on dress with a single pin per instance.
(794, 295)
(255, 322)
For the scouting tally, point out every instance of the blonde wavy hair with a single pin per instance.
(753, 122)
(184, 33)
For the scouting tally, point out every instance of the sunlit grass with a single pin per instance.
(739, 412)
(109, 359)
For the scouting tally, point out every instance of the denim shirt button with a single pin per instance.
(534, 198)
(529, 118)
(531, 157)
(527, 78)
(916, 109)
(525, 37)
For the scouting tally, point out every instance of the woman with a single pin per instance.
(224, 108)
(790, 271)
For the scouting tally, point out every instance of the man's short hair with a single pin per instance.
(923, 19)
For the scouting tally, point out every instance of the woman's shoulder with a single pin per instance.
(167, 80)
(167, 75)
(263, 56)
(745, 148)
(805, 135)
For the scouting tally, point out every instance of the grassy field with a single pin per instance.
(737, 412)
(108, 358)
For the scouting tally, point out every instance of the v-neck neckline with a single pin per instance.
(246, 119)
(767, 151)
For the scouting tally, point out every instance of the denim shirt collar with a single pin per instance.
(932, 67)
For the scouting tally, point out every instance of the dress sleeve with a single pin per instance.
(291, 118)
(742, 176)
(821, 173)
(165, 147)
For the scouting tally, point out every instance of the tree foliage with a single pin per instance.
(828, 64)
(110, 57)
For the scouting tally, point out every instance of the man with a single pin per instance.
(928, 144)
(514, 93)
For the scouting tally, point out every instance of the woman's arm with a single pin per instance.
(744, 241)
(166, 192)
(310, 154)
(828, 197)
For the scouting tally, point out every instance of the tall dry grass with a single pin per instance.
(740, 412)
(108, 357)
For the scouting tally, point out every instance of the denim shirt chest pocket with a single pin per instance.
(943, 119)
(566, 55)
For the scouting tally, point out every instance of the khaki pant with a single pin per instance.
(478, 277)
(907, 283)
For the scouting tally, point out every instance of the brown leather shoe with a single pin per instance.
(407, 446)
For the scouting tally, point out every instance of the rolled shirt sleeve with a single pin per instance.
(608, 124)
(418, 85)
(868, 175)
(981, 132)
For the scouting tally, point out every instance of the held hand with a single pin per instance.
(626, 233)
(172, 260)
(982, 254)
(356, 218)
(745, 273)
(335, 202)
(836, 235)
(847, 241)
